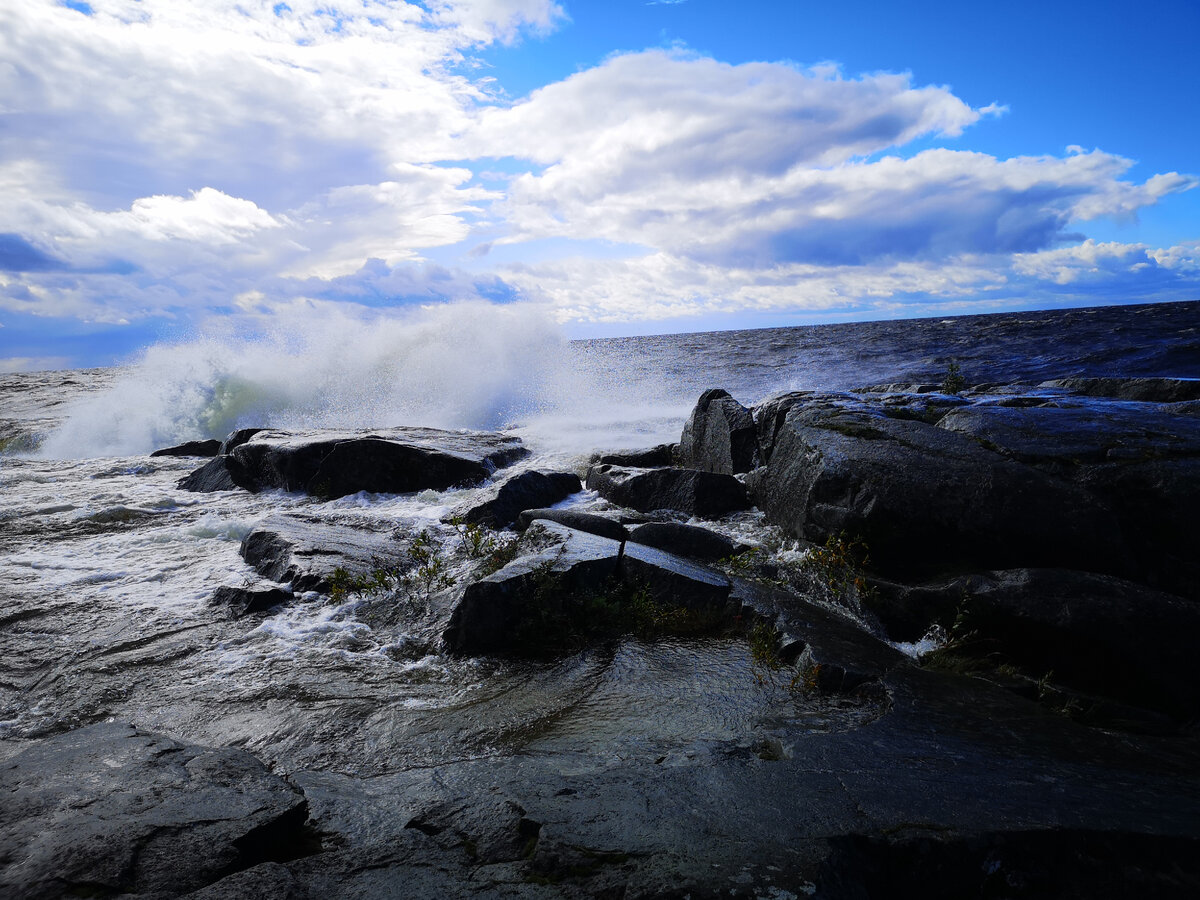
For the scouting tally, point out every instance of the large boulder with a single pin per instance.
(305, 554)
(690, 491)
(529, 490)
(332, 464)
(924, 498)
(569, 586)
(111, 810)
(719, 436)
(1095, 633)
(686, 540)
(591, 523)
(650, 457)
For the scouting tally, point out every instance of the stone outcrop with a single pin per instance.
(304, 554)
(719, 436)
(191, 448)
(687, 490)
(332, 464)
(529, 490)
(111, 810)
(686, 540)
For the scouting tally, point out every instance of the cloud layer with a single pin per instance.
(168, 161)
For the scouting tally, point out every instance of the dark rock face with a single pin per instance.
(291, 549)
(237, 438)
(244, 601)
(652, 457)
(109, 809)
(580, 521)
(687, 490)
(333, 464)
(924, 498)
(1095, 633)
(191, 448)
(529, 490)
(685, 540)
(221, 473)
(570, 582)
(1150, 390)
(719, 436)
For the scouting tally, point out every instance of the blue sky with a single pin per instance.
(625, 167)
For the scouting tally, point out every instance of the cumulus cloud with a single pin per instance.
(166, 160)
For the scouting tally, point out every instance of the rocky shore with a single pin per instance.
(971, 611)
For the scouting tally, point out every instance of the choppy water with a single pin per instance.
(107, 569)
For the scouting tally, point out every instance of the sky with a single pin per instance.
(627, 167)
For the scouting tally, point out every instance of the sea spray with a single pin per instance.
(469, 365)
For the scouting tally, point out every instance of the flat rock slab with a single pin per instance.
(686, 540)
(289, 549)
(649, 457)
(690, 491)
(109, 809)
(580, 521)
(191, 448)
(332, 464)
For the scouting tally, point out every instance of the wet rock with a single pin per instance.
(191, 448)
(1095, 633)
(523, 602)
(690, 491)
(573, 586)
(686, 540)
(529, 490)
(1147, 390)
(396, 460)
(244, 601)
(580, 521)
(719, 436)
(289, 549)
(652, 457)
(109, 809)
(490, 830)
(237, 438)
(924, 498)
(221, 473)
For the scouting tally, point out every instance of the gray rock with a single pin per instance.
(924, 498)
(580, 521)
(290, 549)
(191, 448)
(237, 438)
(690, 491)
(686, 540)
(529, 490)
(221, 473)
(244, 601)
(493, 831)
(677, 582)
(1151, 390)
(719, 436)
(109, 809)
(332, 464)
(651, 457)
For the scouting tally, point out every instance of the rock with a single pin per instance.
(109, 809)
(496, 830)
(290, 549)
(237, 438)
(925, 499)
(719, 436)
(332, 464)
(686, 540)
(580, 521)
(529, 490)
(690, 491)
(244, 601)
(1146, 390)
(1095, 633)
(675, 582)
(1059, 438)
(652, 457)
(523, 603)
(571, 586)
(221, 473)
(191, 448)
